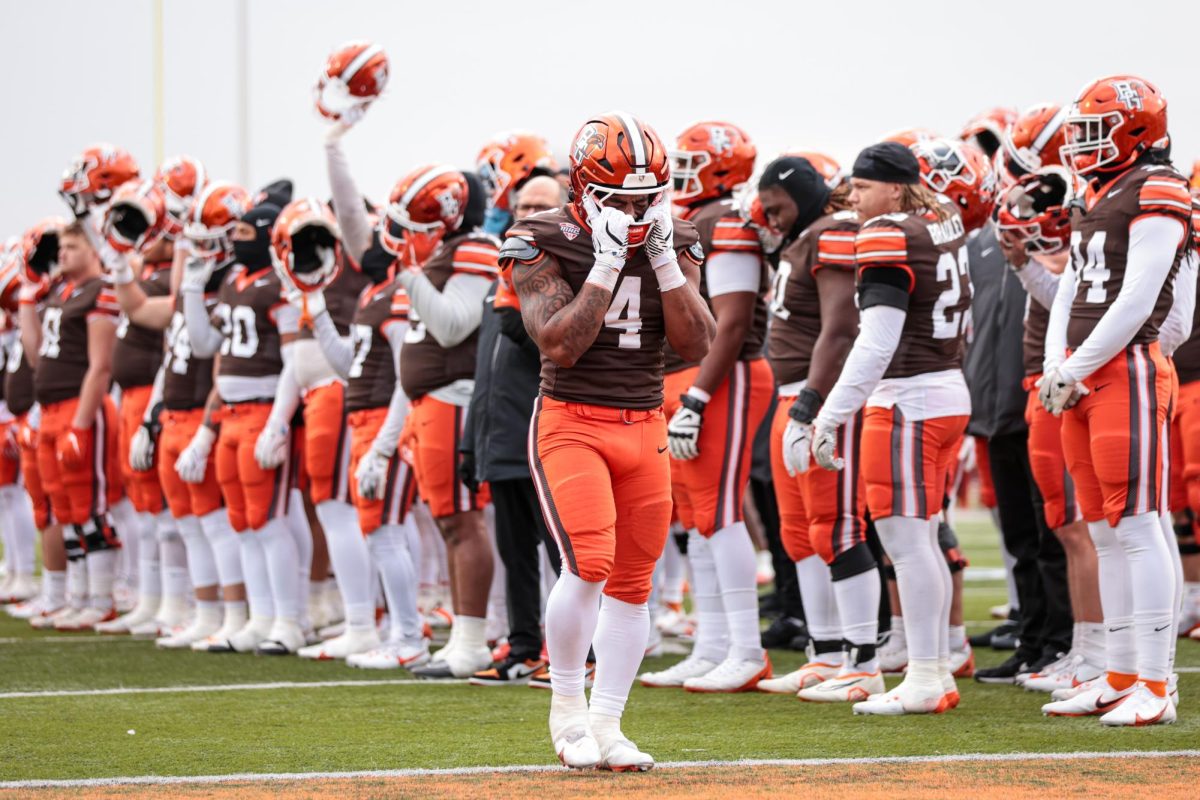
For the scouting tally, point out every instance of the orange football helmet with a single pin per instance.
(1036, 209)
(214, 215)
(750, 209)
(1194, 179)
(136, 217)
(306, 244)
(1112, 123)
(181, 179)
(39, 248)
(508, 161)
(710, 159)
(616, 153)
(827, 166)
(94, 175)
(909, 136)
(987, 130)
(424, 207)
(962, 173)
(1034, 140)
(354, 76)
(10, 274)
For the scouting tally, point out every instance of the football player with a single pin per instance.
(905, 367)
(446, 267)
(253, 327)
(504, 165)
(715, 407)
(71, 355)
(821, 513)
(1114, 388)
(603, 283)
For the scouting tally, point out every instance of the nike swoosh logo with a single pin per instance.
(1098, 388)
(1102, 706)
(1116, 192)
(783, 176)
(1122, 628)
(1163, 628)
(662, 450)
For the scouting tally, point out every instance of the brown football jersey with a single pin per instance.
(933, 253)
(139, 350)
(623, 368)
(187, 379)
(828, 243)
(18, 379)
(247, 305)
(372, 377)
(1100, 244)
(426, 365)
(1033, 344)
(341, 299)
(721, 230)
(63, 355)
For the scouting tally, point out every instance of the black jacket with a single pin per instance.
(506, 384)
(994, 367)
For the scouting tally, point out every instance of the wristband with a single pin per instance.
(666, 269)
(605, 273)
(121, 273)
(692, 403)
(808, 402)
(699, 394)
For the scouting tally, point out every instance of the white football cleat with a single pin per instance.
(45, 620)
(20, 588)
(672, 677)
(1141, 707)
(36, 607)
(392, 655)
(654, 643)
(286, 637)
(142, 613)
(1098, 698)
(252, 634)
(674, 622)
(203, 626)
(85, 619)
(910, 697)
(893, 656)
(617, 753)
(731, 675)
(462, 662)
(571, 734)
(849, 688)
(962, 662)
(808, 676)
(355, 640)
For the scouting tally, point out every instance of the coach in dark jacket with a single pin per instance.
(495, 449)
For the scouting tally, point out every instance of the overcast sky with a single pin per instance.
(829, 76)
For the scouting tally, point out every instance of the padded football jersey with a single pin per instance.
(1033, 343)
(63, 356)
(139, 350)
(187, 379)
(247, 304)
(18, 379)
(372, 377)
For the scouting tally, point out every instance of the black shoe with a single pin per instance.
(512, 671)
(1038, 664)
(769, 604)
(799, 644)
(985, 639)
(1005, 637)
(782, 631)
(1005, 673)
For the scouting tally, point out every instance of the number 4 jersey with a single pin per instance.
(623, 368)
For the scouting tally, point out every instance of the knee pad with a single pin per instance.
(681, 541)
(73, 544)
(855, 561)
(948, 542)
(98, 535)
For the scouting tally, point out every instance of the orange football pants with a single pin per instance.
(326, 443)
(253, 495)
(987, 489)
(1112, 438)
(185, 499)
(397, 499)
(1185, 450)
(143, 488)
(906, 464)
(603, 479)
(437, 429)
(79, 494)
(27, 439)
(1048, 463)
(820, 511)
(10, 468)
(714, 482)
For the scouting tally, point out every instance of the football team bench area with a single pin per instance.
(88, 716)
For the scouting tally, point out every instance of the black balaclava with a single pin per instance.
(277, 192)
(376, 261)
(256, 253)
(476, 203)
(806, 187)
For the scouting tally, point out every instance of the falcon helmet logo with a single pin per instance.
(589, 139)
(719, 139)
(569, 230)
(1128, 95)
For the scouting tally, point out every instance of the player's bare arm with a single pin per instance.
(563, 324)
(690, 325)
(734, 317)
(102, 335)
(836, 290)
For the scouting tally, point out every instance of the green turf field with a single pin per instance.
(349, 728)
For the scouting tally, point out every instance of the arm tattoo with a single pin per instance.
(542, 291)
(558, 320)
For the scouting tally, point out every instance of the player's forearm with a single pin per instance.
(149, 312)
(347, 201)
(722, 354)
(1055, 348)
(1177, 327)
(830, 352)
(156, 392)
(690, 326)
(31, 332)
(205, 339)
(212, 404)
(338, 350)
(91, 394)
(452, 314)
(878, 338)
(1040, 283)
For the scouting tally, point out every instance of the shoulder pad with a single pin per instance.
(848, 214)
(483, 236)
(519, 248)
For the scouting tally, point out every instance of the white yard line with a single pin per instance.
(157, 780)
(228, 687)
(60, 639)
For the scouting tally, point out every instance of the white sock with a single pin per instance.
(1152, 579)
(712, 631)
(819, 597)
(620, 645)
(1090, 643)
(173, 561)
(958, 637)
(202, 567)
(947, 593)
(1172, 543)
(257, 578)
(227, 553)
(22, 530)
(897, 632)
(351, 561)
(298, 527)
(77, 583)
(858, 609)
(101, 572)
(674, 569)
(472, 632)
(235, 614)
(279, 547)
(572, 613)
(54, 588)
(1116, 598)
(916, 559)
(149, 554)
(737, 575)
(398, 575)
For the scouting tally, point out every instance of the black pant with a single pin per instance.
(1040, 568)
(519, 528)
